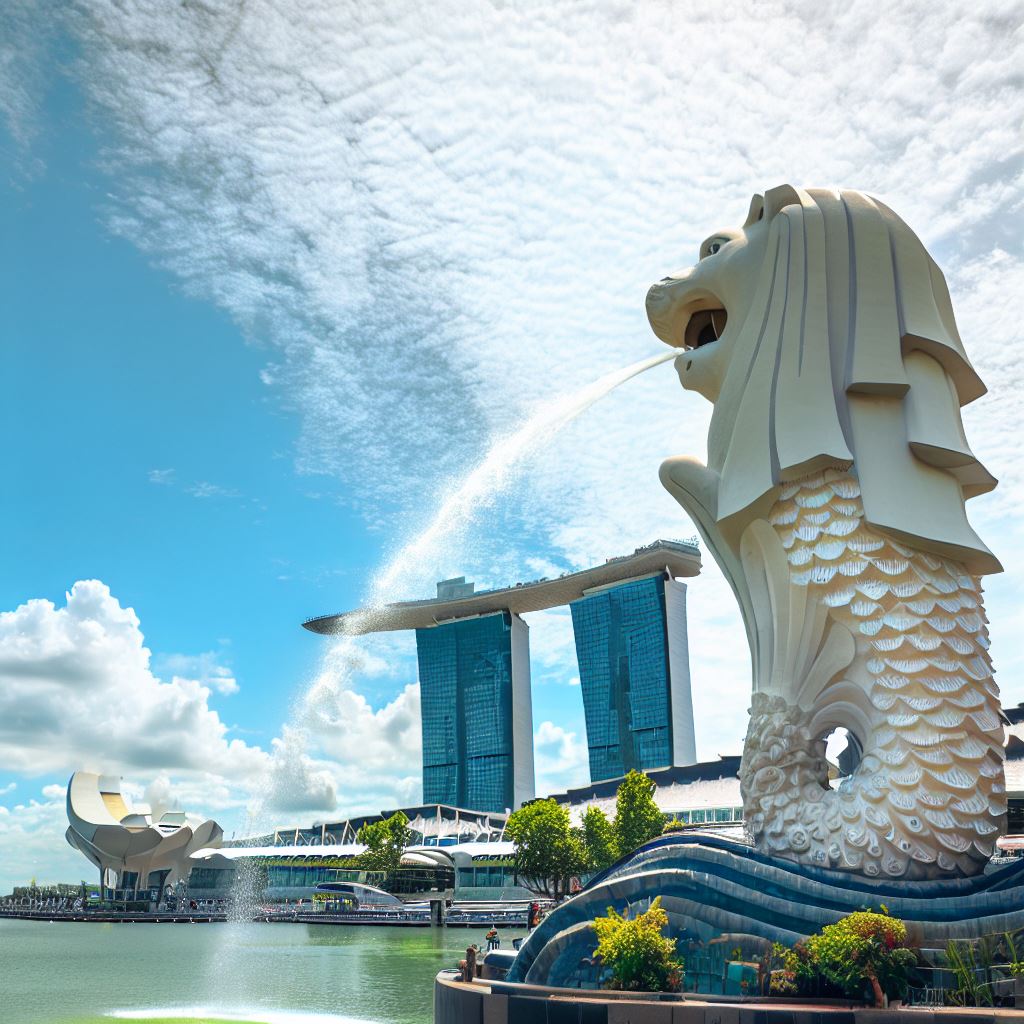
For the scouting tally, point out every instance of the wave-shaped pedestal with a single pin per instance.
(711, 886)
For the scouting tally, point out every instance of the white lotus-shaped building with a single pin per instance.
(132, 851)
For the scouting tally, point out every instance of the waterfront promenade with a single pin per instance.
(413, 918)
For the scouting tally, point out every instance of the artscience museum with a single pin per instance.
(137, 856)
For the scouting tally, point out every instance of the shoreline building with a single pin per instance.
(631, 647)
(137, 854)
(629, 617)
(476, 710)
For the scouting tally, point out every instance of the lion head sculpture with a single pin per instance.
(822, 332)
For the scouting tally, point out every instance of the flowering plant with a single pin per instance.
(862, 946)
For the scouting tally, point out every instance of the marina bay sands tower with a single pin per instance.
(476, 708)
(629, 621)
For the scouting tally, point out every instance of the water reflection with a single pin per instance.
(73, 973)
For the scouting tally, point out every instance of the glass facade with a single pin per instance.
(707, 816)
(624, 660)
(307, 874)
(467, 695)
(487, 877)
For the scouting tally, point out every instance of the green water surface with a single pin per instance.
(254, 973)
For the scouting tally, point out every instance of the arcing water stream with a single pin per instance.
(488, 478)
(462, 503)
(492, 474)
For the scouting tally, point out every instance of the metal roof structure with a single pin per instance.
(726, 767)
(678, 558)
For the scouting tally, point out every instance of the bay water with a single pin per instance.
(268, 973)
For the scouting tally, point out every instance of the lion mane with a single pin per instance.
(848, 356)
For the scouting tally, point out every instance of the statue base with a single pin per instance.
(720, 894)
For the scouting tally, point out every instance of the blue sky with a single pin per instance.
(150, 454)
(273, 276)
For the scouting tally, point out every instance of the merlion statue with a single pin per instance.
(833, 500)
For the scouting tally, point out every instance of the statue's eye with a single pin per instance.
(712, 246)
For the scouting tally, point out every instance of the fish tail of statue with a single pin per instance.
(890, 642)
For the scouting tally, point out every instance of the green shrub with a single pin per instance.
(971, 964)
(860, 947)
(675, 825)
(640, 958)
(782, 983)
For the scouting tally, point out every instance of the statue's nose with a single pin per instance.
(661, 301)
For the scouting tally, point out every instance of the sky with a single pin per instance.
(273, 277)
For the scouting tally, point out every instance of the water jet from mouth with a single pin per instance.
(478, 488)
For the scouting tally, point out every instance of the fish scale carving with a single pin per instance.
(928, 792)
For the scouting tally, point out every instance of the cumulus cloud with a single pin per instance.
(297, 783)
(377, 751)
(33, 846)
(205, 667)
(76, 685)
(79, 689)
(560, 758)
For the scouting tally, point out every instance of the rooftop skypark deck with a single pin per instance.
(679, 558)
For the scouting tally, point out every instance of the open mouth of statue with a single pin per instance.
(704, 327)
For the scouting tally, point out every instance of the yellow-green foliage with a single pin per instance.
(640, 958)
(861, 946)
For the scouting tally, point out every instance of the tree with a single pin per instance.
(548, 850)
(640, 958)
(863, 946)
(385, 842)
(598, 838)
(638, 818)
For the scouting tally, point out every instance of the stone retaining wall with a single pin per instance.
(478, 1002)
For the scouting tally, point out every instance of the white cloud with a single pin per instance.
(376, 753)
(25, 34)
(76, 686)
(552, 646)
(205, 668)
(9, 788)
(32, 846)
(436, 237)
(560, 759)
(78, 689)
(164, 477)
(204, 489)
(297, 783)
